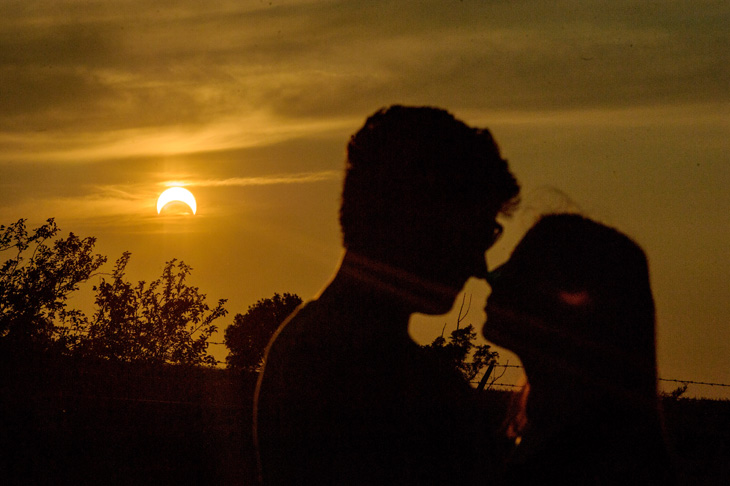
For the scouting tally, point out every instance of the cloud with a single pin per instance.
(105, 207)
(101, 67)
(249, 130)
(301, 178)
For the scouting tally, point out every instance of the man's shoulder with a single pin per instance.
(304, 339)
(307, 327)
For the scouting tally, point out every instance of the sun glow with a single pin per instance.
(177, 194)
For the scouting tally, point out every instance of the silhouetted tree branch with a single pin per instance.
(459, 349)
(34, 289)
(167, 321)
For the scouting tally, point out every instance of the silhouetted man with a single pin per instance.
(346, 397)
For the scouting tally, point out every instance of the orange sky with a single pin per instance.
(619, 110)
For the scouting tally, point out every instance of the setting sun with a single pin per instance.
(177, 194)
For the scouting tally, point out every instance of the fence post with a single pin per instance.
(486, 376)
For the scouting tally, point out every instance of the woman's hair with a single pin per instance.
(586, 286)
(588, 318)
(592, 287)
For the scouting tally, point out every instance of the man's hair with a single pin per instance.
(415, 163)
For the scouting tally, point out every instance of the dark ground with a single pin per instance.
(95, 422)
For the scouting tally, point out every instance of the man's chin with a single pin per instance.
(436, 310)
(493, 332)
(438, 303)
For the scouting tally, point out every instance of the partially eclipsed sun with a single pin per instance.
(177, 194)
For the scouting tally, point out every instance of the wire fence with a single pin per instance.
(512, 385)
(690, 382)
(671, 380)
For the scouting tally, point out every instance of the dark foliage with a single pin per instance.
(167, 321)
(95, 421)
(249, 334)
(460, 352)
(699, 435)
(35, 283)
(85, 421)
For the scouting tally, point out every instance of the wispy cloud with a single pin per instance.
(251, 130)
(107, 207)
(301, 178)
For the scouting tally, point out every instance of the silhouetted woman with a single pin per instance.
(575, 304)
